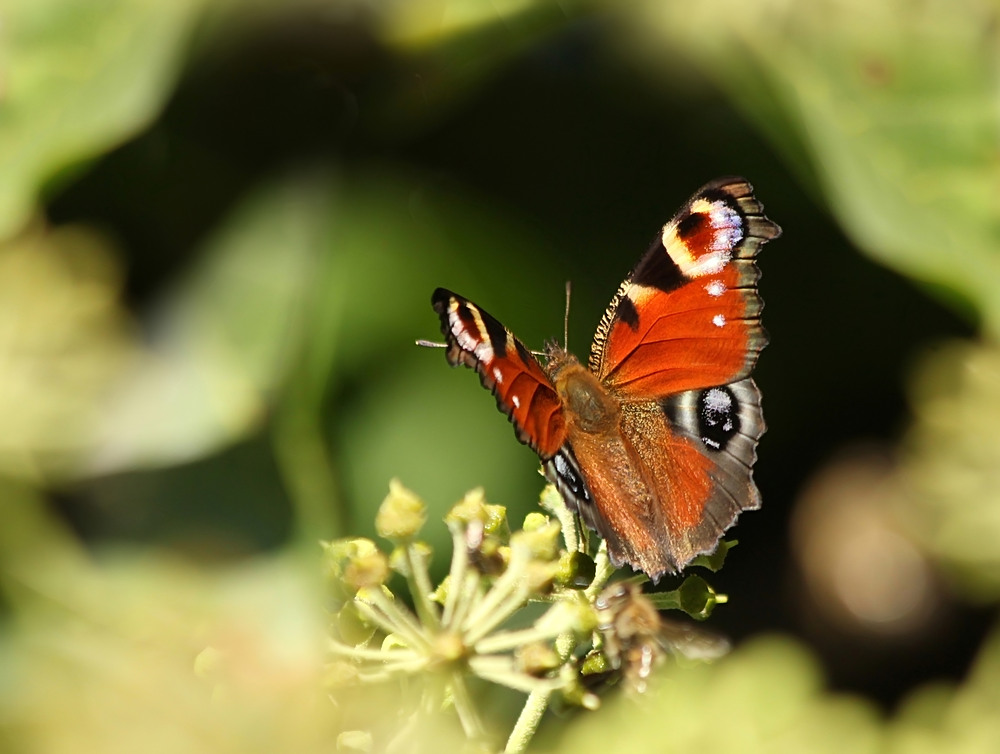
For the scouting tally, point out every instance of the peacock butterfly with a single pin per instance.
(652, 442)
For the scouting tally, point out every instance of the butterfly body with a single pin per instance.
(653, 440)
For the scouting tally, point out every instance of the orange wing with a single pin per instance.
(689, 315)
(674, 350)
(506, 368)
(664, 484)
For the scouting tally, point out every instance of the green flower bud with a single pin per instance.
(570, 616)
(551, 500)
(341, 552)
(542, 538)
(534, 521)
(540, 576)
(471, 508)
(351, 627)
(536, 659)
(698, 598)
(595, 663)
(496, 522)
(355, 556)
(447, 648)
(401, 515)
(483, 528)
(367, 570)
(355, 741)
(440, 595)
(576, 570)
(573, 693)
(715, 560)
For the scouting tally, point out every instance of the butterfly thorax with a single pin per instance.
(589, 405)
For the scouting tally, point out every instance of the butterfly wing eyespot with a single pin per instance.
(506, 368)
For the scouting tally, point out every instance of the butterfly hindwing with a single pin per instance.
(712, 435)
(662, 487)
(506, 368)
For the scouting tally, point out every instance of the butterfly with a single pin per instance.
(653, 441)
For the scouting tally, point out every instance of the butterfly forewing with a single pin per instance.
(689, 315)
(506, 368)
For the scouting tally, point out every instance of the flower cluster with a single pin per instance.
(462, 628)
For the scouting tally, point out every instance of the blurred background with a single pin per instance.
(220, 225)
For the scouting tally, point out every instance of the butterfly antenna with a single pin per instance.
(431, 344)
(569, 290)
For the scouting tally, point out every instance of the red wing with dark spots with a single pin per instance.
(654, 442)
(688, 316)
(506, 368)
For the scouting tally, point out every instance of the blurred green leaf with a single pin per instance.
(951, 478)
(945, 718)
(404, 412)
(64, 338)
(127, 650)
(100, 654)
(76, 78)
(889, 111)
(225, 336)
(764, 697)
(457, 45)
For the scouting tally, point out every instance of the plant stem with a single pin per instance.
(456, 577)
(527, 722)
(392, 618)
(304, 462)
(466, 708)
(602, 572)
(419, 582)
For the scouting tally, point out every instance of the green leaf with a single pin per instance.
(715, 560)
(65, 339)
(222, 338)
(950, 480)
(79, 78)
(888, 112)
(764, 697)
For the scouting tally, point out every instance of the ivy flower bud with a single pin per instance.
(541, 537)
(351, 564)
(360, 741)
(536, 659)
(420, 551)
(471, 508)
(401, 515)
(576, 570)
